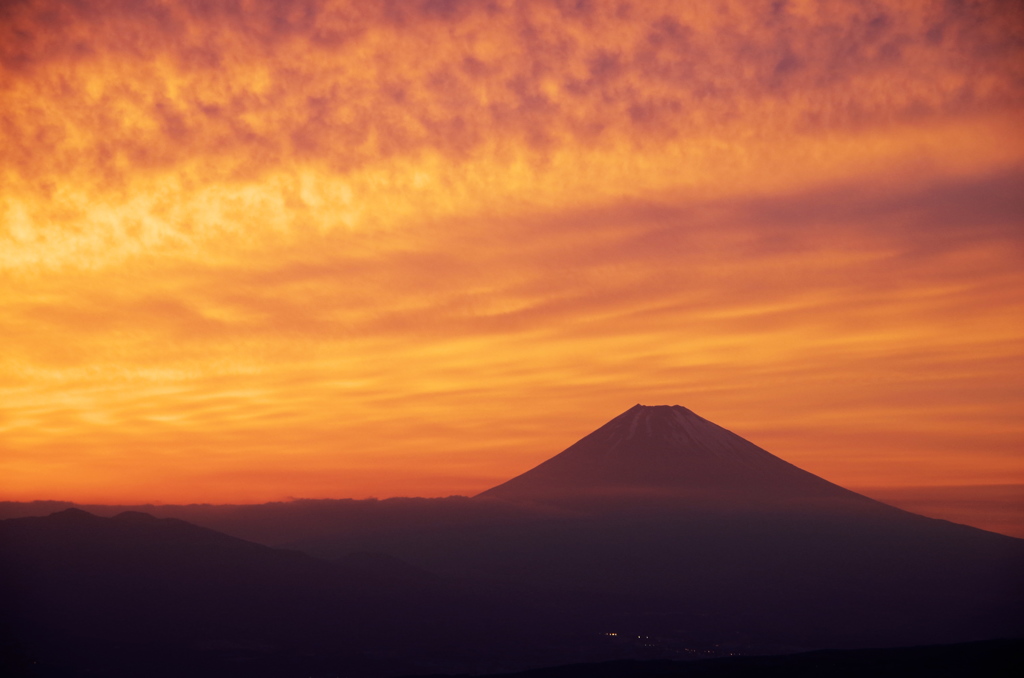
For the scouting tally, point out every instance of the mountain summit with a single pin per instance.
(669, 453)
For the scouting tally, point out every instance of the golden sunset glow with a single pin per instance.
(258, 250)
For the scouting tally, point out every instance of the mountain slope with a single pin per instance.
(668, 453)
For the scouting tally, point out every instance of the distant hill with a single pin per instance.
(137, 595)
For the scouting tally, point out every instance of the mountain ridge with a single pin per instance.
(669, 452)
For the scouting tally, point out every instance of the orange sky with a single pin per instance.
(253, 250)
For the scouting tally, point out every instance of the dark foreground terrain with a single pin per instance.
(135, 595)
(986, 659)
(991, 659)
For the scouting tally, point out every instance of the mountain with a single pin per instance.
(670, 454)
(690, 522)
(661, 524)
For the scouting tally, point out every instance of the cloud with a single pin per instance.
(126, 97)
(823, 296)
(247, 230)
